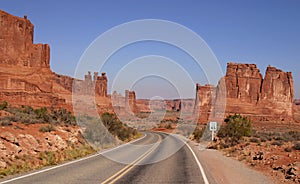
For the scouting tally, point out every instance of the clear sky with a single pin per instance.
(248, 31)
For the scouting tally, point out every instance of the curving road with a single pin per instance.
(155, 158)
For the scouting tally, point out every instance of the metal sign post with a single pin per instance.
(213, 128)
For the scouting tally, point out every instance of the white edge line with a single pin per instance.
(71, 162)
(196, 158)
(199, 165)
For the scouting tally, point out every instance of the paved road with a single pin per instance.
(156, 158)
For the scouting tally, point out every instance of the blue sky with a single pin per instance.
(248, 31)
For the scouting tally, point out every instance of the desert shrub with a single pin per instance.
(288, 149)
(116, 127)
(291, 136)
(27, 109)
(297, 146)
(28, 115)
(5, 121)
(63, 116)
(3, 105)
(254, 140)
(277, 143)
(235, 127)
(43, 115)
(48, 158)
(47, 128)
(198, 133)
(169, 126)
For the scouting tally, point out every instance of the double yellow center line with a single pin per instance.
(130, 166)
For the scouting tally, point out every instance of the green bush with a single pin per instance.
(63, 116)
(116, 127)
(235, 127)
(3, 105)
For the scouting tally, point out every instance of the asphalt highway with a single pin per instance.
(155, 158)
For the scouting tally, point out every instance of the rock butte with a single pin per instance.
(244, 91)
(26, 79)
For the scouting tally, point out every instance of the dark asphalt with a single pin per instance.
(158, 158)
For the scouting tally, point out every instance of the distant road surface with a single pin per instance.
(155, 158)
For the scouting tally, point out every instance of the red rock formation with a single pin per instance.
(100, 84)
(16, 44)
(25, 74)
(246, 93)
(204, 101)
(243, 82)
(277, 86)
(185, 105)
(130, 102)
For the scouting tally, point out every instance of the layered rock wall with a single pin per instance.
(204, 102)
(16, 44)
(247, 93)
(25, 74)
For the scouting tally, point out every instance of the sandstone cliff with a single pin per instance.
(25, 74)
(247, 93)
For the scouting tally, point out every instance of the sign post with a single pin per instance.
(213, 128)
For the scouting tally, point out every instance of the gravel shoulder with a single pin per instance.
(225, 170)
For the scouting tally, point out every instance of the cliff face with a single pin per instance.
(16, 44)
(204, 101)
(246, 93)
(25, 74)
(277, 86)
(243, 82)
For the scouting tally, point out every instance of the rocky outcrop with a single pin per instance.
(28, 141)
(247, 93)
(204, 102)
(16, 44)
(25, 74)
(89, 86)
(277, 86)
(130, 101)
(124, 105)
(243, 82)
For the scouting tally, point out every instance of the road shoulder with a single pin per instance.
(224, 170)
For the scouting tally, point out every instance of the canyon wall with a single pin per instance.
(16, 44)
(25, 74)
(247, 93)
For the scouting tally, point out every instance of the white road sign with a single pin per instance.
(213, 126)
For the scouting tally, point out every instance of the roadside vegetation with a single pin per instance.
(28, 115)
(53, 117)
(26, 163)
(276, 151)
(104, 132)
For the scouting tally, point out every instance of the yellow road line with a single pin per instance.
(130, 166)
